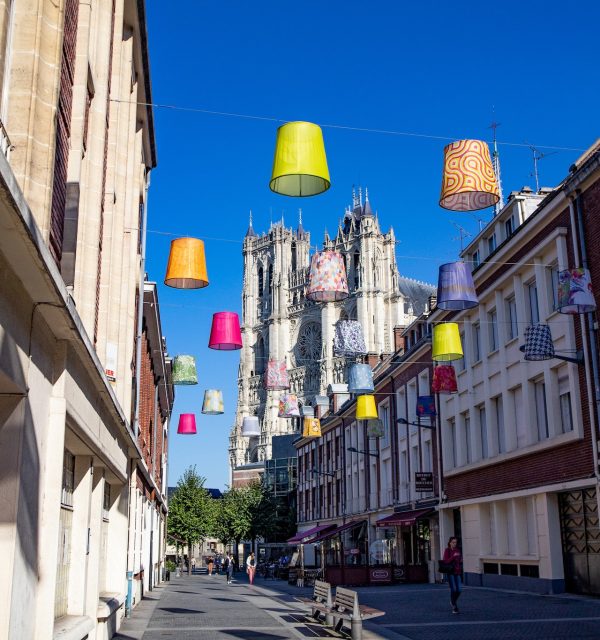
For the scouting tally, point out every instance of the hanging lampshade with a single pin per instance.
(575, 291)
(444, 379)
(288, 406)
(426, 406)
(213, 402)
(187, 264)
(187, 424)
(300, 165)
(360, 379)
(184, 370)
(456, 290)
(250, 427)
(349, 339)
(312, 428)
(225, 333)
(276, 376)
(327, 280)
(538, 342)
(365, 408)
(375, 428)
(306, 411)
(446, 342)
(468, 181)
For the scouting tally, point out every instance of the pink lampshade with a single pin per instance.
(187, 424)
(225, 334)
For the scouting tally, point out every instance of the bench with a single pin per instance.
(321, 601)
(346, 608)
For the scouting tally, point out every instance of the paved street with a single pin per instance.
(203, 607)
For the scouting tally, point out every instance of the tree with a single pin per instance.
(191, 511)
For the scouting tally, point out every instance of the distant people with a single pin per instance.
(218, 563)
(251, 567)
(193, 564)
(210, 565)
(453, 556)
(229, 567)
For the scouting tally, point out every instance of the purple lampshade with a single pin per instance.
(456, 290)
(187, 424)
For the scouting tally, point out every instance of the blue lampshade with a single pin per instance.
(456, 290)
(360, 379)
(426, 407)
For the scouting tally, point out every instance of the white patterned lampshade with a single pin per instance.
(250, 427)
(276, 376)
(349, 339)
(213, 402)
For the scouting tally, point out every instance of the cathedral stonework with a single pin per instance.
(278, 322)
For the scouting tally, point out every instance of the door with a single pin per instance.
(580, 532)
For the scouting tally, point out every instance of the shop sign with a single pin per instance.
(354, 552)
(423, 481)
(381, 575)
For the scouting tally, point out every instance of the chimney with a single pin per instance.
(340, 395)
(372, 359)
(399, 339)
(431, 303)
(321, 406)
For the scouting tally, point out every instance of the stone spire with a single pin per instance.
(367, 211)
(250, 233)
(300, 230)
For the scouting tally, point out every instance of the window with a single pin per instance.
(493, 330)
(521, 427)
(261, 283)
(459, 365)
(491, 243)
(452, 429)
(476, 342)
(468, 450)
(475, 258)
(532, 297)
(552, 276)
(483, 432)
(384, 414)
(509, 227)
(63, 559)
(106, 501)
(499, 415)
(512, 326)
(566, 413)
(541, 413)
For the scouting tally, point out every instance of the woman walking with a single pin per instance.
(251, 567)
(229, 567)
(453, 557)
(209, 564)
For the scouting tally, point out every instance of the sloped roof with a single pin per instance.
(417, 292)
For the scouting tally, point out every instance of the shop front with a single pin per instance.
(343, 553)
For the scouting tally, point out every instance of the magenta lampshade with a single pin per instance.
(225, 333)
(187, 424)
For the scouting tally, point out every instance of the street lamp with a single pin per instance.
(375, 454)
(331, 474)
(416, 424)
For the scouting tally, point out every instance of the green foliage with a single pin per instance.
(170, 566)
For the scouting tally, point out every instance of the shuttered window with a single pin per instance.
(63, 560)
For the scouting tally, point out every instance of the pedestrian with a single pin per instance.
(229, 567)
(193, 564)
(218, 562)
(251, 567)
(209, 564)
(453, 557)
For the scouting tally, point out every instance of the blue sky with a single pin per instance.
(435, 68)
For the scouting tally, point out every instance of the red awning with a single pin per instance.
(343, 527)
(302, 535)
(403, 518)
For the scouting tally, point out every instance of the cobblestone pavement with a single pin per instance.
(202, 607)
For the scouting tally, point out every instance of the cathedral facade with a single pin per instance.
(278, 322)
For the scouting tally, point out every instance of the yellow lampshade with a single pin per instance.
(312, 428)
(365, 408)
(446, 342)
(300, 165)
(468, 181)
(187, 264)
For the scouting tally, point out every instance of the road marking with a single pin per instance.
(466, 622)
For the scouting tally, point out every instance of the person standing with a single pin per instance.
(251, 567)
(453, 556)
(193, 564)
(229, 567)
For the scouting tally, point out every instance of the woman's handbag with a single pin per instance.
(445, 567)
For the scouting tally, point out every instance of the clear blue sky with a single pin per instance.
(434, 68)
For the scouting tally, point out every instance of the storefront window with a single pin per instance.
(354, 541)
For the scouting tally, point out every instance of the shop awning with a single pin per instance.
(302, 535)
(333, 532)
(403, 518)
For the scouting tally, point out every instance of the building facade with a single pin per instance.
(279, 322)
(77, 152)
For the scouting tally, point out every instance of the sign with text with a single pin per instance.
(423, 481)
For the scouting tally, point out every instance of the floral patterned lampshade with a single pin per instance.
(375, 428)
(213, 402)
(426, 406)
(225, 334)
(184, 370)
(444, 379)
(250, 427)
(366, 408)
(187, 424)
(456, 290)
(327, 279)
(575, 291)
(288, 406)
(446, 342)
(276, 376)
(312, 428)
(300, 165)
(349, 339)
(360, 379)
(538, 342)
(468, 181)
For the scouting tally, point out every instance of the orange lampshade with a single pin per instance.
(187, 264)
(469, 181)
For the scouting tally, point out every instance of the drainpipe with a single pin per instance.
(591, 335)
(130, 537)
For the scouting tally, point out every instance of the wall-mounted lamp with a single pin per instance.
(366, 453)
(416, 424)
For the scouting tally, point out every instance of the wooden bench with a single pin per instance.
(347, 608)
(321, 601)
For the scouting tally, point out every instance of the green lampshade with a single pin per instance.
(184, 370)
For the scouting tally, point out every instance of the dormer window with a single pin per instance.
(509, 227)
(475, 258)
(491, 242)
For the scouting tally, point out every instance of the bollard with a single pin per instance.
(356, 628)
